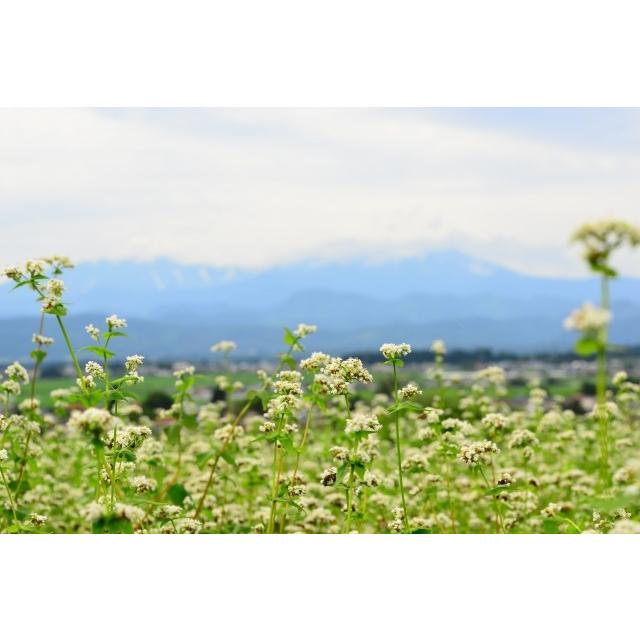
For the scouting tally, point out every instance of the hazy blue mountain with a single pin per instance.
(178, 311)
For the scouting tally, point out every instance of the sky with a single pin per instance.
(254, 188)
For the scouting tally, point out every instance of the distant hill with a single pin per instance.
(178, 311)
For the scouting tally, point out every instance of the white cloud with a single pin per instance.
(254, 188)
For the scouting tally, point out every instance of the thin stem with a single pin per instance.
(72, 353)
(398, 447)
(499, 524)
(278, 459)
(34, 376)
(601, 391)
(11, 500)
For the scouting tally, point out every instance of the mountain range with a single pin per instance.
(177, 311)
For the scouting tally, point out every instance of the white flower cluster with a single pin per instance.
(392, 351)
(588, 318)
(93, 332)
(92, 420)
(409, 391)
(336, 375)
(363, 423)
(114, 322)
(475, 453)
(94, 370)
(438, 347)
(224, 346)
(305, 330)
(495, 421)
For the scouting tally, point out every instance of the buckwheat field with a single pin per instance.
(318, 443)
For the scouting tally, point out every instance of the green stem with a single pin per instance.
(499, 524)
(398, 447)
(11, 501)
(601, 391)
(72, 353)
(34, 376)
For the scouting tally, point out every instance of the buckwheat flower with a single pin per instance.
(315, 361)
(608, 410)
(35, 267)
(184, 372)
(339, 453)
(59, 262)
(13, 273)
(92, 511)
(353, 370)
(409, 391)
(17, 372)
(588, 318)
(551, 510)
(438, 347)
(267, 427)
(92, 420)
(227, 433)
(224, 346)
(493, 375)
(296, 490)
(626, 527)
(130, 512)
(290, 428)
(620, 378)
(522, 438)
(392, 351)
(603, 237)
(132, 363)
(363, 423)
(142, 484)
(431, 415)
(494, 421)
(86, 383)
(41, 340)
(37, 520)
(305, 330)
(29, 404)
(188, 525)
(288, 383)
(4, 423)
(4, 455)
(454, 424)
(370, 479)
(168, 512)
(94, 370)
(476, 453)
(10, 387)
(55, 288)
(50, 304)
(114, 322)
(94, 332)
(504, 479)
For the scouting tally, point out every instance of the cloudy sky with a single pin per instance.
(254, 188)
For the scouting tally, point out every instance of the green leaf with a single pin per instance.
(587, 346)
(290, 361)
(421, 531)
(177, 493)
(107, 335)
(289, 339)
(514, 486)
(112, 524)
(38, 355)
(173, 434)
(228, 458)
(203, 458)
(101, 351)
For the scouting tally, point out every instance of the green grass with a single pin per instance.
(151, 384)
